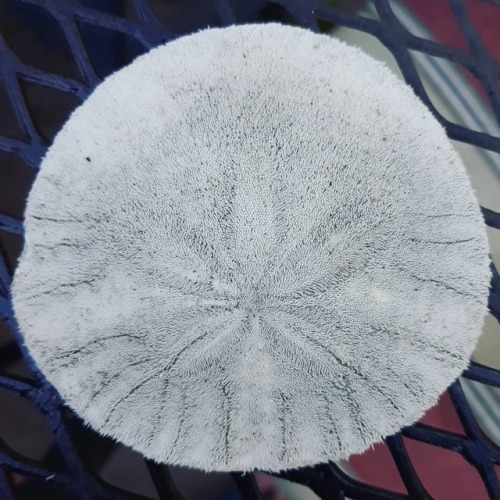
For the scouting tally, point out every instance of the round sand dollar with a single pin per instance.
(253, 247)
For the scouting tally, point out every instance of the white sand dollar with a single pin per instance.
(252, 248)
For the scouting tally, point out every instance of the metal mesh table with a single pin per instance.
(99, 37)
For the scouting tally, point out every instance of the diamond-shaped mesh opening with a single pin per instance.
(443, 416)
(431, 19)
(369, 44)
(9, 127)
(377, 467)
(57, 52)
(36, 38)
(484, 401)
(11, 245)
(16, 179)
(438, 469)
(481, 13)
(93, 450)
(458, 80)
(108, 50)
(49, 108)
(24, 432)
(12, 362)
(127, 470)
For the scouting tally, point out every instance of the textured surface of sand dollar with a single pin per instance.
(252, 248)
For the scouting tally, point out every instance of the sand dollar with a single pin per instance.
(254, 247)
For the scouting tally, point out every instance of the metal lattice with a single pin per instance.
(75, 480)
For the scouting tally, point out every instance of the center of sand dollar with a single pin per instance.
(252, 304)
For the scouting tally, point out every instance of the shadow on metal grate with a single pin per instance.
(100, 37)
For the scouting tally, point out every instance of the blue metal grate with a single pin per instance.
(144, 30)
